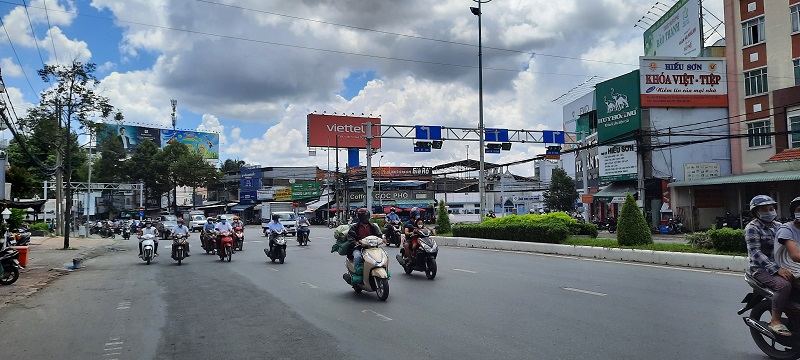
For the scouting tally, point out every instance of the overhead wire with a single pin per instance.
(14, 49)
(33, 33)
(50, 28)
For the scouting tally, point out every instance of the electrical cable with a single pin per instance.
(15, 54)
(33, 33)
(50, 28)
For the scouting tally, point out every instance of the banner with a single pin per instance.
(618, 110)
(206, 144)
(283, 194)
(683, 82)
(395, 172)
(248, 196)
(324, 130)
(250, 178)
(677, 33)
(304, 191)
(128, 136)
(618, 162)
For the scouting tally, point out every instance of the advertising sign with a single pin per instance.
(618, 162)
(283, 194)
(323, 131)
(576, 117)
(265, 194)
(677, 33)
(683, 82)
(129, 136)
(395, 172)
(248, 196)
(618, 110)
(304, 191)
(206, 144)
(697, 171)
(250, 178)
(389, 197)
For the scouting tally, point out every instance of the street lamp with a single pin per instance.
(481, 191)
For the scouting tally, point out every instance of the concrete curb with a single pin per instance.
(703, 261)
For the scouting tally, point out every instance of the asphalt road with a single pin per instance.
(483, 304)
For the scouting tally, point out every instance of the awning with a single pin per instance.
(616, 189)
(216, 206)
(759, 177)
(242, 207)
(323, 202)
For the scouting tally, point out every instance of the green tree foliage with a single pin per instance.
(442, 219)
(23, 183)
(632, 228)
(561, 195)
(147, 166)
(109, 166)
(186, 168)
(230, 165)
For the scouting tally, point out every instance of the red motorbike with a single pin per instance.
(226, 246)
(208, 241)
(238, 238)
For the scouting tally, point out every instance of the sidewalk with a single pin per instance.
(47, 260)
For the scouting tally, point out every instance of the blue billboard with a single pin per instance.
(206, 144)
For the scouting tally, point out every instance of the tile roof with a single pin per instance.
(789, 154)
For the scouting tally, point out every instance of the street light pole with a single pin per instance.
(380, 172)
(481, 184)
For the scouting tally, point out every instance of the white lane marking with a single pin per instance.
(466, 271)
(114, 343)
(123, 305)
(309, 285)
(719, 272)
(256, 241)
(112, 354)
(116, 348)
(584, 291)
(273, 269)
(381, 316)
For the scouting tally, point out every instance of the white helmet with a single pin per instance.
(223, 217)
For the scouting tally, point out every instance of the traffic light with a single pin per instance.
(422, 144)
(506, 146)
(493, 146)
(437, 144)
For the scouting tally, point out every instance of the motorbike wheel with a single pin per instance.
(762, 311)
(179, 255)
(430, 269)
(9, 277)
(407, 269)
(281, 256)
(228, 254)
(382, 288)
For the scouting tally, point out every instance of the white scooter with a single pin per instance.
(148, 247)
(376, 268)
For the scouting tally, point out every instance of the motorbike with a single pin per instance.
(759, 303)
(238, 238)
(148, 247)
(394, 233)
(227, 246)
(107, 232)
(376, 268)
(424, 257)
(278, 247)
(333, 222)
(126, 233)
(180, 245)
(95, 228)
(302, 235)
(21, 237)
(9, 266)
(611, 225)
(674, 226)
(208, 242)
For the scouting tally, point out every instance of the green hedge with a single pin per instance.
(726, 239)
(40, 226)
(577, 228)
(548, 228)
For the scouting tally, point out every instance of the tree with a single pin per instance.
(23, 183)
(147, 167)
(186, 168)
(109, 167)
(561, 195)
(442, 219)
(230, 165)
(632, 228)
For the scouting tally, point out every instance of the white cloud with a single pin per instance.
(10, 68)
(66, 50)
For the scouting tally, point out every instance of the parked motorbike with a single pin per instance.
(227, 246)
(759, 303)
(238, 238)
(611, 225)
(732, 221)
(9, 266)
(278, 247)
(302, 235)
(423, 255)
(21, 237)
(376, 268)
(180, 246)
(148, 247)
(394, 233)
(674, 226)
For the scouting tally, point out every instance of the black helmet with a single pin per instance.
(276, 217)
(392, 209)
(363, 215)
(793, 205)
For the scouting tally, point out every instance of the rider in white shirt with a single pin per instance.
(179, 230)
(149, 229)
(221, 227)
(274, 227)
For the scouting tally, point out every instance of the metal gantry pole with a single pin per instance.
(481, 180)
(369, 185)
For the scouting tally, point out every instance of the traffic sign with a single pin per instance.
(552, 137)
(428, 132)
(141, 213)
(495, 135)
(553, 153)
(422, 149)
(492, 151)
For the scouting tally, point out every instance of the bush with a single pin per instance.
(577, 228)
(442, 219)
(528, 232)
(699, 240)
(632, 228)
(40, 226)
(729, 240)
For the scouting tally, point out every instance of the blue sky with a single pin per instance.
(253, 69)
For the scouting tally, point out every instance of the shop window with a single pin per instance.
(756, 134)
(755, 82)
(753, 31)
(795, 14)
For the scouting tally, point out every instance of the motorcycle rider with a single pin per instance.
(208, 229)
(274, 227)
(302, 221)
(419, 224)
(180, 230)
(411, 224)
(390, 217)
(221, 227)
(237, 223)
(149, 229)
(358, 231)
(760, 237)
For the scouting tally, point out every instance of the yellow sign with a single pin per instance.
(284, 194)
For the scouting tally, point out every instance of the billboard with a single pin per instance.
(576, 117)
(206, 144)
(324, 130)
(677, 33)
(250, 178)
(618, 110)
(395, 172)
(129, 136)
(304, 191)
(683, 82)
(618, 162)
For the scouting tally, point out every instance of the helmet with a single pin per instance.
(236, 218)
(363, 215)
(148, 224)
(793, 205)
(761, 200)
(223, 217)
(392, 209)
(276, 217)
(414, 212)
(209, 219)
(302, 216)
(180, 220)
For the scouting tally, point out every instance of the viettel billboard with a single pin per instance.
(341, 131)
(618, 109)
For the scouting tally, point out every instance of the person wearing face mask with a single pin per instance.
(411, 225)
(787, 255)
(759, 234)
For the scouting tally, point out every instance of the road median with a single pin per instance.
(693, 260)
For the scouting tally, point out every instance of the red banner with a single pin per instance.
(341, 131)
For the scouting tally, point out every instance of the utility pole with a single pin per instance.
(585, 171)
(68, 171)
(369, 185)
(481, 180)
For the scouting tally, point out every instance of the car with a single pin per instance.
(165, 225)
(288, 219)
(196, 222)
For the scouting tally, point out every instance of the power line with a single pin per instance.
(33, 33)
(15, 54)
(50, 28)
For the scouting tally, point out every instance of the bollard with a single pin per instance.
(77, 263)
